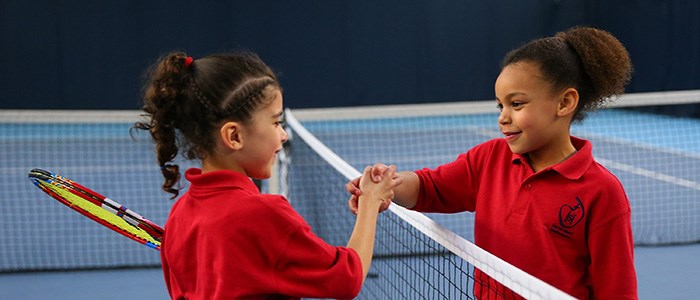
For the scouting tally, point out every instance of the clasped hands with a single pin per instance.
(378, 178)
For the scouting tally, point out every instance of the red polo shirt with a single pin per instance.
(568, 224)
(224, 240)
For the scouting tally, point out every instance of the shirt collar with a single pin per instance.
(219, 179)
(573, 167)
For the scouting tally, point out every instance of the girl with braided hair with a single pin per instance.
(223, 238)
(542, 202)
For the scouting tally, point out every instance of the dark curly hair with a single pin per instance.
(185, 100)
(590, 60)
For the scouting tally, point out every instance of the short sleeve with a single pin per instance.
(448, 188)
(312, 268)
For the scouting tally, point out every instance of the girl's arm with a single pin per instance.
(406, 194)
(362, 238)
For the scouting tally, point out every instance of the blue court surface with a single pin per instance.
(670, 272)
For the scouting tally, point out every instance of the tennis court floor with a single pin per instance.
(669, 272)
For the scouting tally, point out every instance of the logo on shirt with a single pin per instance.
(570, 214)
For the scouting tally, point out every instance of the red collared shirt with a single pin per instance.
(568, 224)
(224, 240)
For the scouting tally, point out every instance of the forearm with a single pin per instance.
(406, 194)
(363, 235)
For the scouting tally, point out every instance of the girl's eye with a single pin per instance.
(499, 107)
(516, 104)
(281, 121)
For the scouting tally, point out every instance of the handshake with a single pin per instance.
(375, 186)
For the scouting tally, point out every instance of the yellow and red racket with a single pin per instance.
(98, 208)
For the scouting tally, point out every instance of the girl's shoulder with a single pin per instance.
(604, 177)
(488, 150)
(493, 145)
(278, 206)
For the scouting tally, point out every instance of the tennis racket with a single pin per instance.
(98, 208)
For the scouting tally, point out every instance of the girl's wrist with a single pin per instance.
(369, 202)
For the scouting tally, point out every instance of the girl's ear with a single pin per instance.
(568, 102)
(230, 135)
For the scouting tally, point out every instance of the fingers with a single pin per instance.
(378, 171)
(390, 171)
(352, 204)
(353, 187)
(379, 180)
(389, 175)
(365, 177)
(396, 181)
(368, 170)
(385, 205)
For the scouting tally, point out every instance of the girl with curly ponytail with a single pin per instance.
(542, 202)
(223, 238)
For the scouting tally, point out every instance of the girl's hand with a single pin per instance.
(377, 172)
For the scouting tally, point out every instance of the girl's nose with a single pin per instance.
(285, 136)
(503, 117)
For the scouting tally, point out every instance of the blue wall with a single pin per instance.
(92, 54)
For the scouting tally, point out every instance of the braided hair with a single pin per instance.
(185, 100)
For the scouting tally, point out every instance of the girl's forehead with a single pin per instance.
(276, 101)
(519, 74)
(273, 104)
(520, 79)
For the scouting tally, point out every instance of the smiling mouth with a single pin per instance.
(512, 135)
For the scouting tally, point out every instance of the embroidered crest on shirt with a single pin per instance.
(570, 214)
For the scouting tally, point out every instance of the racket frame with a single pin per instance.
(42, 179)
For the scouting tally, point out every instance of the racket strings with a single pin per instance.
(98, 208)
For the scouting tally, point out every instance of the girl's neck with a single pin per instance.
(213, 163)
(542, 161)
